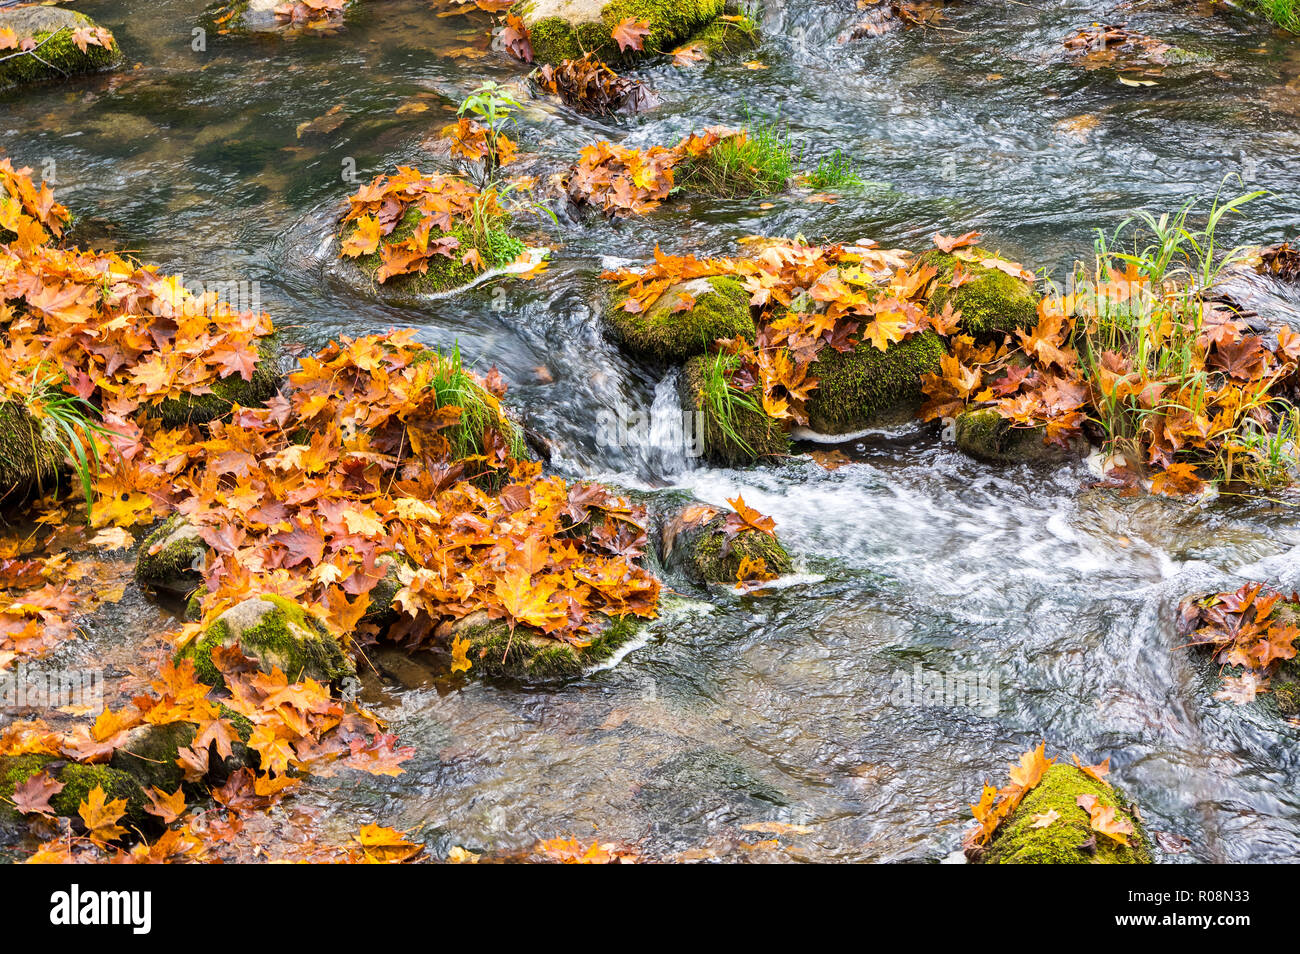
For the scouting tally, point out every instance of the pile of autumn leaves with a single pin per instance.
(348, 474)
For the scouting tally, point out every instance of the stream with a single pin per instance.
(228, 164)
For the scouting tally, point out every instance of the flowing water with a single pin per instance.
(228, 165)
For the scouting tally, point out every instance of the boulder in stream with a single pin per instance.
(496, 249)
(729, 428)
(866, 387)
(171, 557)
(78, 781)
(990, 300)
(683, 321)
(694, 542)
(986, 435)
(66, 43)
(278, 633)
(527, 655)
(1069, 838)
(567, 29)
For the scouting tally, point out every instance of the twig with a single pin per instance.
(32, 52)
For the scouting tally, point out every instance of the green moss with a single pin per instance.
(991, 301)
(29, 460)
(529, 656)
(150, 752)
(278, 633)
(752, 434)
(173, 566)
(80, 780)
(712, 558)
(867, 386)
(229, 391)
(728, 37)
(52, 30)
(555, 39)
(662, 333)
(444, 274)
(1017, 842)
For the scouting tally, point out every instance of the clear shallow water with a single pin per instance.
(736, 710)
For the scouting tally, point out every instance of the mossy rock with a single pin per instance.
(150, 752)
(278, 633)
(52, 29)
(530, 656)
(867, 387)
(171, 557)
(78, 779)
(986, 435)
(701, 552)
(752, 436)
(990, 301)
(30, 460)
(1017, 842)
(664, 333)
(443, 275)
(567, 29)
(381, 611)
(226, 392)
(728, 37)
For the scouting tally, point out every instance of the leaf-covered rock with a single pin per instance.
(684, 321)
(567, 29)
(866, 386)
(725, 429)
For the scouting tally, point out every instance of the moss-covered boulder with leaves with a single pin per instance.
(567, 29)
(722, 424)
(78, 781)
(278, 633)
(989, 299)
(225, 393)
(986, 435)
(31, 459)
(171, 557)
(694, 542)
(526, 655)
(683, 321)
(444, 274)
(1069, 838)
(866, 387)
(58, 34)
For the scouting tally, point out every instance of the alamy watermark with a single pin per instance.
(977, 689)
(25, 687)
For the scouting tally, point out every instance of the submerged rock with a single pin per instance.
(252, 15)
(683, 321)
(989, 301)
(529, 656)
(171, 557)
(866, 386)
(986, 435)
(567, 29)
(744, 434)
(57, 55)
(30, 459)
(278, 633)
(694, 543)
(229, 391)
(1069, 839)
